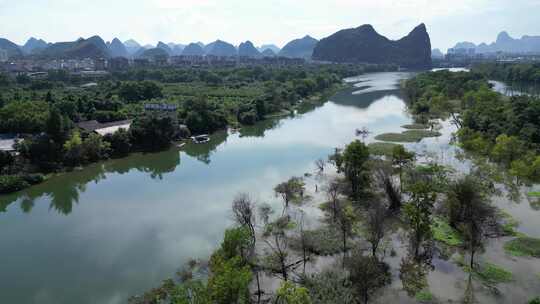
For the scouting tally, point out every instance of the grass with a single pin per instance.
(442, 232)
(407, 136)
(382, 148)
(424, 296)
(534, 194)
(523, 246)
(509, 224)
(493, 274)
(415, 126)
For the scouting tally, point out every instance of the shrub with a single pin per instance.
(12, 183)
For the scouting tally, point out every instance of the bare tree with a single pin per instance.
(333, 190)
(345, 220)
(375, 226)
(320, 164)
(303, 239)
(386, 182)
(243, 210)
(367, 275)
(244, 213)
(278, 260)
(265, 211)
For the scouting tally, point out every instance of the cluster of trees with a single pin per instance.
(506, 129)
(510, 72)
(360, 211)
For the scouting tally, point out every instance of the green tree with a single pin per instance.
(95, 148)
(290, 190)
(355, 166)
(120, 142)
(418, 213)
(58, 126)
(73, 149)
(507, 149)
(401, 158)
(367, 275)
(289, 293)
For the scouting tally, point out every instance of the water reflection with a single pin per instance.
(63, 191)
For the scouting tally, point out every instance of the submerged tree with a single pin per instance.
(471, 212)
(384, 175)
(401, 158)
(346, 218)
(367, 275)
(333, 190)
(290, 190)
(375, 226)
(354, 163)
(418, 214)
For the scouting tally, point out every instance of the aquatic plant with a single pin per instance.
(443, 232)
(424, 296)
(407, 136)
(523, 246)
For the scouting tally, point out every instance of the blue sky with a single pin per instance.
(267, 21)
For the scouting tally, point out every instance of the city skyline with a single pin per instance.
(185, 21)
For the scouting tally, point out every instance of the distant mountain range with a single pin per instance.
(364, 45)
(505, 43)
(271, 47)
(299, 48)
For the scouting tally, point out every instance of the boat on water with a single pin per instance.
(201, 139)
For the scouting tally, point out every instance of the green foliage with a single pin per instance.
(12, 183)
(367, 275)
(492, 274)
(444, 233)
(354, 163)
(424, 296)
(289, 293)
(141, 90)
(23, 117)
(152, 132)
(229, 282)
(120, 142)
(507, 149)
(534, 194)
(291, 190)
(329, 287)
(535, 301)
(418, 213)
(323, 241)
(523, 246)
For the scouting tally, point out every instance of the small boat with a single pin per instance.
(201, 139)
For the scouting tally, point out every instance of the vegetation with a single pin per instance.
(523, 246)
(505, 129)
(407, 136)
(382, 148)
(45, 111)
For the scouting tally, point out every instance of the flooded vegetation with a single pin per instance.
(136, 220)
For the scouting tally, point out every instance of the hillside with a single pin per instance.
(12, 49)
(34, 45)
(118, 49)
(93, 47)
(365, 45)
(299, 48)
(220, 48)
(247, 49)
(193, 49)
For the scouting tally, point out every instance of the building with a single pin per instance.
(8, 142)
(118, 64)
(104, 128)
(100, 64)
(3, 55)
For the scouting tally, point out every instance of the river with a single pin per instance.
(116, 228)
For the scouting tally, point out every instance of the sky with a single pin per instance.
(263, 21)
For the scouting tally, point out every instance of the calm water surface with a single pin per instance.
(119, 227)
